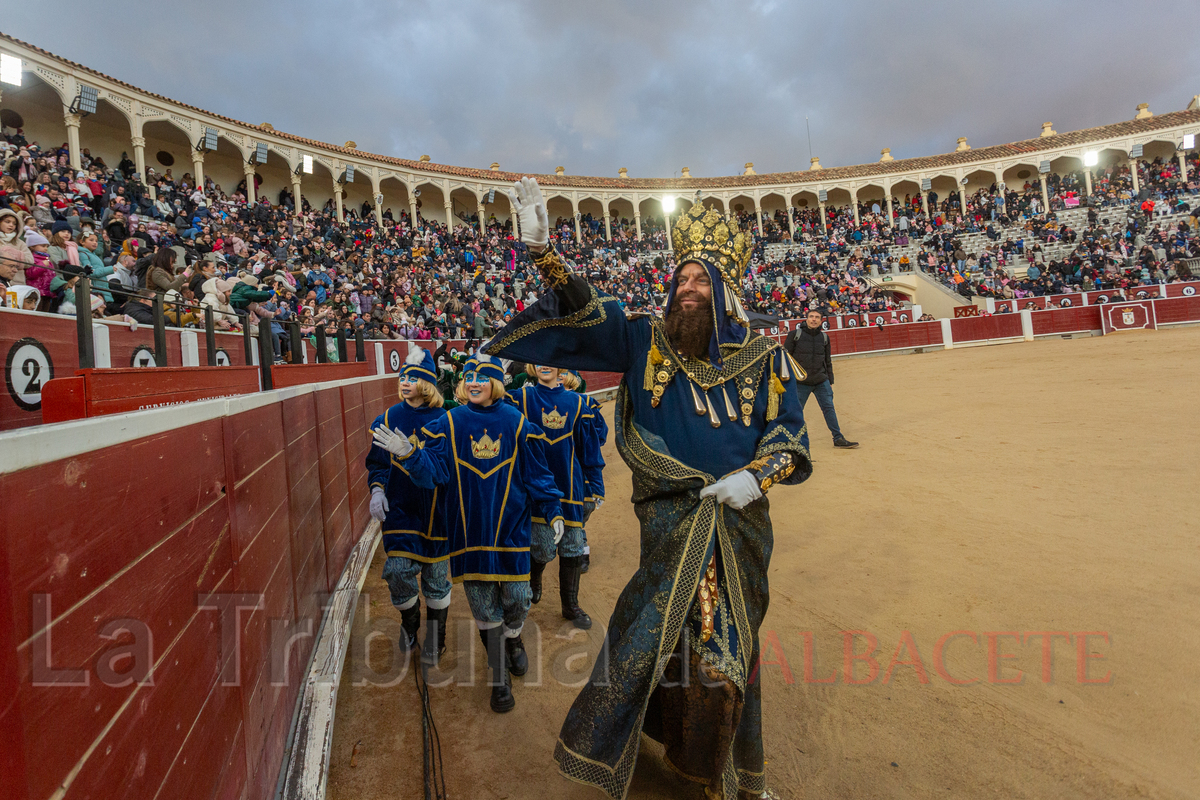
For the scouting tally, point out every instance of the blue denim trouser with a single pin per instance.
(493, 602)
(401, 575)
(543, 549)
(824, 393)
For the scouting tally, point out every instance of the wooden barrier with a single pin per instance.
(283, 375)
(169, 521)
(95, 392)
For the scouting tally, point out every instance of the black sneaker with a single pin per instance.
(844, 443)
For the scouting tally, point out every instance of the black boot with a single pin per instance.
(587, 563)
(518, 662)
(410, 622)
(536, 568)
(435, 635)
(568, 591)
(502, 697)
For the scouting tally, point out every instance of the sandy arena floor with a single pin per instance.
(998, 490)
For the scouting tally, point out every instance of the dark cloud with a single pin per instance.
(652, 86)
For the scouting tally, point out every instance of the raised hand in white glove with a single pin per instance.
(558, 527)
(737, 491)
(526, 198)
(379, 503)
(599, 501)
(395, 443)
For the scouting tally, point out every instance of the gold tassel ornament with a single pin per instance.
(729, 411)
(653, 360)
(701, 410)
(775, 390)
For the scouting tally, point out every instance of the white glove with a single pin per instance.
(599, 501)
(558, 530)
(526, 198)
(395, 443)
(737, 491)
(379, 503)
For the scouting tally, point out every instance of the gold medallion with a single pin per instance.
(746, 409)
(662, 377)
(748, 393)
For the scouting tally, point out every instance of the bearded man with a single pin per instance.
(708, 419)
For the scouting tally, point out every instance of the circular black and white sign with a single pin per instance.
(879, 320)
(222, 359)
(1188, 291)
(1143, 294)
(904, 317)
(852, 322)
(394, 360)
(1102, 298)
(26, 371)
(142, 356)
(1065, 302)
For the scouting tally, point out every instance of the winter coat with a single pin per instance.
(812, 352)
(16, 250)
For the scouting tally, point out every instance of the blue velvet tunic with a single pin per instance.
(410, 529)
(490, 462)
(566, 420)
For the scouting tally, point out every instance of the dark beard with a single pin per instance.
(690, 330)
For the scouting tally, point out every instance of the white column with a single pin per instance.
(251, 190)
(337, 199)
(888, 192)
(378, 209)
(101, 349)
(412, 212)
(637, 224)
(72, 121)
(482, 219)
(607, 222)
(296, 193)
(791, 224)
(449, 215)
(198, 169)
(854, 205)
(1133, 171)
(1182, 166)
(947, 334)
(824, 221)
(1087, 180)
(667, 227)
(1045, 195)
(758, 214)
(924, 198)
(139, 155)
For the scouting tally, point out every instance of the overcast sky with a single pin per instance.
(652, 85)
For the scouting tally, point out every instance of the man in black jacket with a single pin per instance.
(809, 346)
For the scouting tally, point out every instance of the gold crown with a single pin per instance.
(485, 447)
(553, 420)
(705, 234)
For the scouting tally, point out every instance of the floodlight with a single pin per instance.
(1189, 141)
(10, 69)
(349, 173)
(260, 153)
(1044, 167)
(1091, 158)
(209, 142)
(416, 193)
(1135, 151)
(307, 165)
(491, 196)
(668, 204)
(822, 196)
(86, 101)
(964, 181)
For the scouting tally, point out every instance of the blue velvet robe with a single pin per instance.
(681, 424)
(490, 462)
(410, 529)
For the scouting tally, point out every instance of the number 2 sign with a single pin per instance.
(26, 371)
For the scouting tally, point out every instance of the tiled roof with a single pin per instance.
(927, 164)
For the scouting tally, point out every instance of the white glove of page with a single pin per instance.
(395, 443)
(526, 198)
(379, 504)
(558, 530)
(737, 491)
(599, 501)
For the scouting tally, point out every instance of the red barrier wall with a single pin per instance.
(890, 337)
(975, 329)
(1066, 320)
(228, 496)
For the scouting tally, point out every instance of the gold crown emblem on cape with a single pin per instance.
(553, 420)
(486, 447)
(705, 234)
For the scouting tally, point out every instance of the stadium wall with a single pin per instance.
(127, 544)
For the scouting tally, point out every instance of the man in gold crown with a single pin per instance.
(708, 419)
